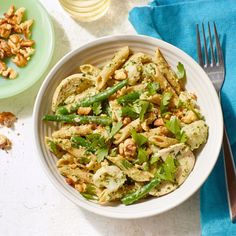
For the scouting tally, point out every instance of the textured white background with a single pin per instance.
(29, 203)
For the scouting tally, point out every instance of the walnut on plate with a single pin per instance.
(7, 72)
(15, 40)
(5, 50)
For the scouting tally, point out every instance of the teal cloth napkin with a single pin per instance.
(175, 21)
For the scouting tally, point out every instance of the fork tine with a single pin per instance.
(199, 48)
(211, 45)
(218, 47)
(205, 46)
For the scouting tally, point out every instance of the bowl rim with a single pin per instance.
(51, 46)
(36, 119)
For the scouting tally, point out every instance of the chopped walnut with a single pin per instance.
(164, 131)
(80, 187)
(9, 73)
(27, 52)
(130, 147)
(3, 20)
(70, 182)
(4, 49)
(19, 60)
(19, 13)
(14, 18)
(5, 30)
(17, 29)
(84, 110)
(121, 149)
(14, 43)
(2, 54)
(189, 117)
(179, 113)
(5, 143)
(159, 122)
(120, 74)
(10, 12)
(3, 66)
(25, 27)
(27, 43)
(7, 119)
(126, 120)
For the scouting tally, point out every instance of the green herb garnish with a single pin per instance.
(84, 160)
(154, 158)
(126, 164)
(138, 138)
(144, 108)
(54, 148)
(181, 73)
(165, 102)
(168, 169)
(153, 87)
(78, 141)
(173, 125)
(129, 111)
(128, 98)
(142, 155)
(97, 108)
(90, 189)
(115, 128)
(101, 153)
(98, 143)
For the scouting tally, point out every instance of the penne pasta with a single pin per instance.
(115, 63)
(167, 72)
(90, 70)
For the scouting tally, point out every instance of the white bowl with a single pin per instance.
(97, 52)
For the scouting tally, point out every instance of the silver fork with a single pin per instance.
(215, 69)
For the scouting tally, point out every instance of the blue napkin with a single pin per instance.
(175, 21)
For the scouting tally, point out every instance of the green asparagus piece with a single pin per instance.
(142, 192)
(86, 102)
(79, 119)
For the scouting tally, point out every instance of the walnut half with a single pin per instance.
(128, 148)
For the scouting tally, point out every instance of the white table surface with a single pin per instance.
(29, 203)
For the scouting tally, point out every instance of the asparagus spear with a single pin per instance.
(86, 102)
(140, 193)
(79, 119)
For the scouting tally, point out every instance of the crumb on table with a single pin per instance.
(5, 143)
(7, 119)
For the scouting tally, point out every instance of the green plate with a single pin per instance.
(43, 35)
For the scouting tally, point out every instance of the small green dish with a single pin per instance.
(43, 35)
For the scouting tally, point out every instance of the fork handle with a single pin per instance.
(230, 176)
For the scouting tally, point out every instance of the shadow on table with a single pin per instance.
(22, 104)
(182, 220)
(116, 14)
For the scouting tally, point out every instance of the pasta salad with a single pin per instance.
(128, 130)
